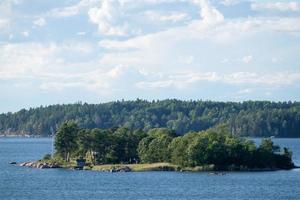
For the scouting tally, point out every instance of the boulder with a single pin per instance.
(124, 169)
(23, 164)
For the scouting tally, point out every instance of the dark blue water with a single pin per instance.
(25, 183)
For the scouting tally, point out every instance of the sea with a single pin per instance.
(18, 183)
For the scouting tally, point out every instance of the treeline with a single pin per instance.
(214, 146)
(251, 118)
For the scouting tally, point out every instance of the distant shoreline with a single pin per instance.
(24, 136)
(49, 137)
(247, 118)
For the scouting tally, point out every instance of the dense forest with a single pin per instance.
(215, 146)
(250, 118)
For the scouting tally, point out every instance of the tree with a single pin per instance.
(155, 147)
(65, 139)
(86, 144)
(127, 142)
(216, 146)
(250, 118)
(181, 150)
(102, 145)
(267, 145)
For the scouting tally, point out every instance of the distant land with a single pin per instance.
(249, 118)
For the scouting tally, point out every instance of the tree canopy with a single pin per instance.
(215, 146)
(65, 140)
(250, 118)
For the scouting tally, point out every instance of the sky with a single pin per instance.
(55, 51)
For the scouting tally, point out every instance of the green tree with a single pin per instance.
(103, 143)
(181, 150)
(267, 145)
(155, 147)
(65, 140)
(86, 144)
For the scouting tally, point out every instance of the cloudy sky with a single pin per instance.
(103, 50)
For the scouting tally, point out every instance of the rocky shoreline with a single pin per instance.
(128, 168)
(117, 169)
(50, 165)
(40, 165)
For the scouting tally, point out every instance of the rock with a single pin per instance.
(54, 165)
(45, 166)
(13, 163)
(27, 164)
(22, 164)
(112, 170)
(124, 169)
(30, 164)
(39, 164)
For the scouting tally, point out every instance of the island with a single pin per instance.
(160, 149)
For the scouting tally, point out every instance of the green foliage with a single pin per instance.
(47, 157)
(214, 147)
(155, 147)
(223, 150)
(251, 118)
(65, 140)
(118, 145)
(267, 145)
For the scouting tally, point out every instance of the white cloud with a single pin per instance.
(43, 65)
(189, 79)
(84, 5)
(275, 60)
(39, 22)
(277, 6)
(23, 60)
(81, 33)
(175, 58)
(186, 60)
(209, 18)
(229, 2)
(157, 50)
(167, 17)
(80, 47)
(4, 23)
(139, 42)
(106, 17)
(209, 14)
(274, 79)
(35, 60)
(247, 59)
(74, 9)
(103, 81)
(174, 49)
(245, 91)
(211, 25)
(5, 15)
(64, 12)
(112, 16)
(25, 33)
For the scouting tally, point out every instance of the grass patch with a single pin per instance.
(138, 167)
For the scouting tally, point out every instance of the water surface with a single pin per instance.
(35, 184)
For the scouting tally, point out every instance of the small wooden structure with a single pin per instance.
(80, 163)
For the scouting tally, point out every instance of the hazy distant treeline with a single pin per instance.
(251, 118)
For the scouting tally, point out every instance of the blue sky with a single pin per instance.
(103, 50)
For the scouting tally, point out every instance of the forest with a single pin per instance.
(215, 146)
(249, 118)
